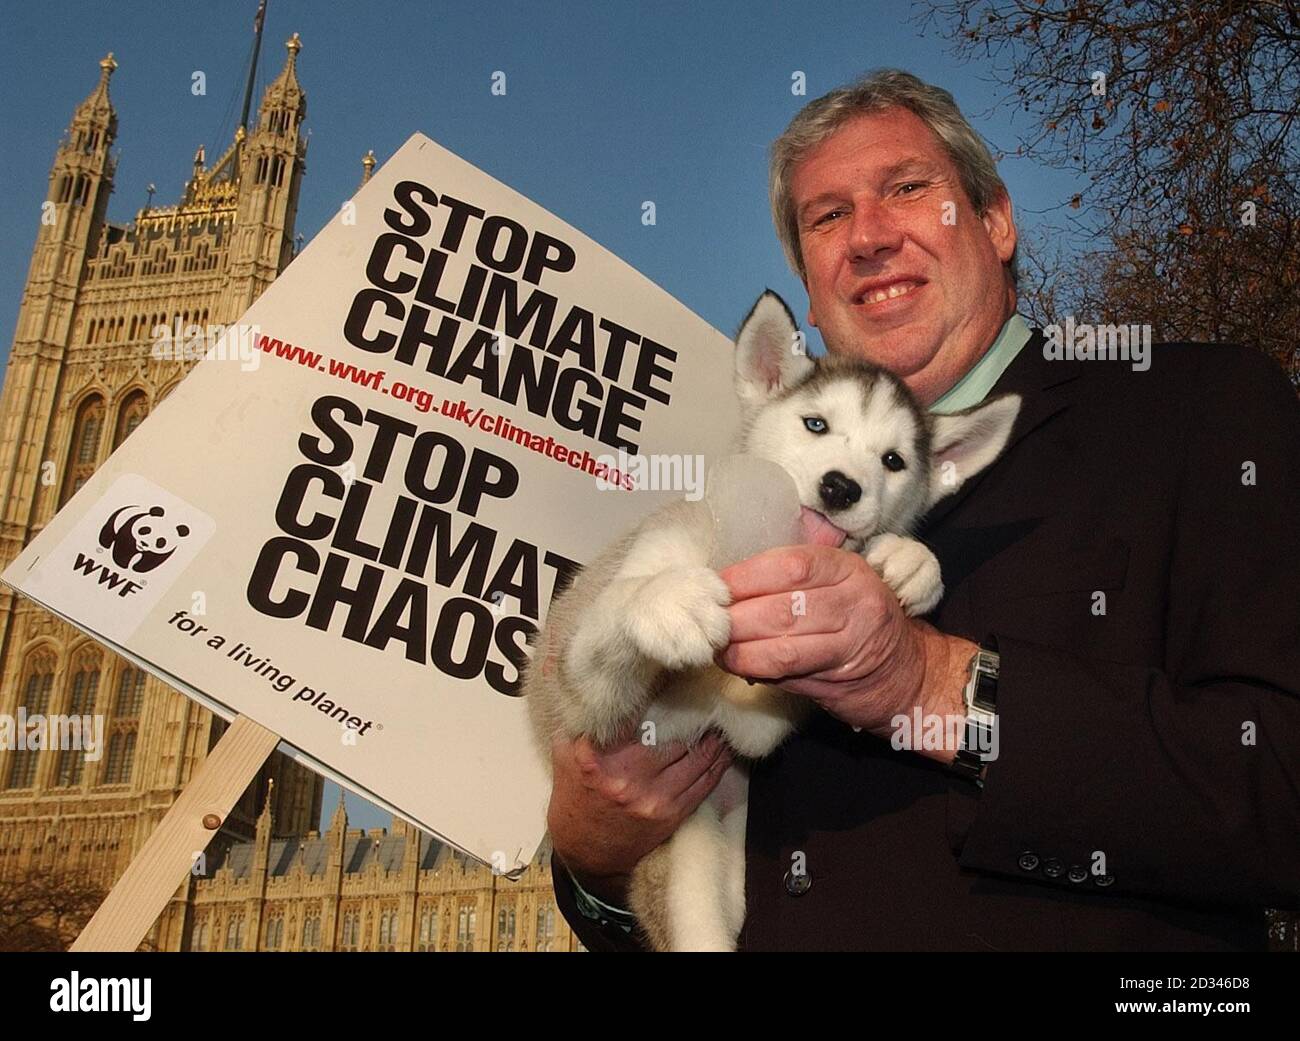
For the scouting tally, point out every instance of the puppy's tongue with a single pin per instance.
(819, 531)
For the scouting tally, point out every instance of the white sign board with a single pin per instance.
(348, 518)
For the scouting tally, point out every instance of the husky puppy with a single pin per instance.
(633, 638)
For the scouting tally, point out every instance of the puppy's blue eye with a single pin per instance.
(893, 461)
(815, 424)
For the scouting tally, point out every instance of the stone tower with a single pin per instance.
(83, 372)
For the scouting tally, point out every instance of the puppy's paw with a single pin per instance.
(909, 569)
(679, 617)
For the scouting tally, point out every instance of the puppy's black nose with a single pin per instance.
(838, 491)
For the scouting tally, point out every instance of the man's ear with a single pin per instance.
(771, 353)
(1000, 225)
(964, 443)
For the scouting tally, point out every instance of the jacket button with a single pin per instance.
(797, 885)
(1104, 880)
(1077, 874)
(1053, 868)
(1028, 861)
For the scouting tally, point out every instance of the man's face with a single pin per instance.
(870, 202)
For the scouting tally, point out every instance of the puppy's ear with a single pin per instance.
(771, 352)
(964, 443)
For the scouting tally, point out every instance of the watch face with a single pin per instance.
(985, 688)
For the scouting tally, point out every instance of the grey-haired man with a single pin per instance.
(1128, 568)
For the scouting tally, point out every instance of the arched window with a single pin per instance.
(546, 927)
(428, 930)
(350, 939)
(235, 934)
(124, 725)
(83, 453)
(81, 706)
(129, 416)
(465, 929)
(506, 929)
(37, 681)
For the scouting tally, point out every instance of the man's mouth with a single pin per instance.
(818, 530)
(882, 294)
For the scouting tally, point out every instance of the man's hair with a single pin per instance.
(878, 90)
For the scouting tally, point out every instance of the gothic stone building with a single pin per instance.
(81, 376)
(353, 890)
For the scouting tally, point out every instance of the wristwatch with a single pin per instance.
(980, 696)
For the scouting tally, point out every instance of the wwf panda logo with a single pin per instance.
(140, 538)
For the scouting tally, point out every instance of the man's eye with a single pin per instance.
(911, 184)
(815, 424)
(893, 461)
(826, 216)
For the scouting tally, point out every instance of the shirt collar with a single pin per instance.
(974, 387)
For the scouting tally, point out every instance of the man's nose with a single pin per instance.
(873, 231)
(838, 491)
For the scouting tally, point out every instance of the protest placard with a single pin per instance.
(348, 518)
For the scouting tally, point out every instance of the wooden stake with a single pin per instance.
(157, 871)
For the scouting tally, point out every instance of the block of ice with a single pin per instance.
(755, 506)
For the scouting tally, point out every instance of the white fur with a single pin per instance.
(633, 640)
(909, 569)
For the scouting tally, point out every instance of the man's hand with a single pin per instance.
(819, 622)
(611, 806)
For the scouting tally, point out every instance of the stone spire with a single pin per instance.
(94, 121)
(284, 91)
(98, 102)
(339, 821)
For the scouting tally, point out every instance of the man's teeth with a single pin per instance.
(897, 289)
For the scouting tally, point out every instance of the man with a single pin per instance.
(1129, 564)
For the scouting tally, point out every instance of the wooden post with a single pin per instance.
(156, 872)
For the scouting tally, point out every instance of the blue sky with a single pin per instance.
(607, 105)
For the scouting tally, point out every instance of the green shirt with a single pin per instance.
(974, 387)
(967, 392)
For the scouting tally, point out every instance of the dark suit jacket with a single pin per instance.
(1163, 735)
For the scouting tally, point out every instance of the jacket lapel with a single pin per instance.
(1044, 389)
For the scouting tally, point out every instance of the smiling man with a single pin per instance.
(890, 279)
(1121, 614)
